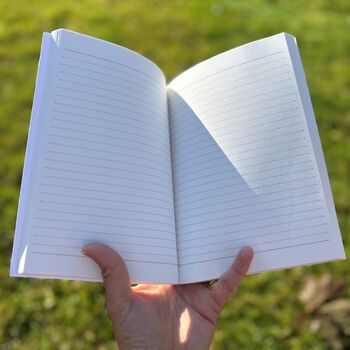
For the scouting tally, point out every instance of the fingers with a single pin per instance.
(114, 272)
(231, 279)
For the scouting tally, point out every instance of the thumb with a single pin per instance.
(115, 276)
(230, 280)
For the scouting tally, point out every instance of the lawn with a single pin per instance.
(266, 312)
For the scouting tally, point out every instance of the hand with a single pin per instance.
(164, 316)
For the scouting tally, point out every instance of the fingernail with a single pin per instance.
(248, 251)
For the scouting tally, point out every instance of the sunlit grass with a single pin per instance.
(175, 35)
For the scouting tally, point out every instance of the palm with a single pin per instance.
(164, 316)
(169, 316)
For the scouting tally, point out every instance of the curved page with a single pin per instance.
(248, 166)
(97, 164)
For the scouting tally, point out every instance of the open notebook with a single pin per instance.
(177, 177)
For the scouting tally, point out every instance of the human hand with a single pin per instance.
(164, 316)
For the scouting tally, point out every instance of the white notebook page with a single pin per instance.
(100, 165)
(245, 172)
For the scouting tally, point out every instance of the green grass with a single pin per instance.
(174, 34)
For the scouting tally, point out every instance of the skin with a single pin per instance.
(164, 316)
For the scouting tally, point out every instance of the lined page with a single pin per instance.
(244, 167)
(102, 164)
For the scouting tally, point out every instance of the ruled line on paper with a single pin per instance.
(114, 234)
(253, 220)
(290, 133)
(242, 180)
(105, 175)
(185, 109)
(213, 87)
(114, 107)
(97, 142)
(145, 93)
(102, 127)
(102, 135)
(103, 159)
(253, 196)
(202, 133)
(244, 136)
(231, 101)
(199, 154)
(254, 244)
(234, 160)
(119, 251)
(252, 188)
(228, 122)
(250, 229)
(117, 106)
(107, 208)
(65, 89)
(100, 191)
(108, 160)
(99, 88)
(116, 152)
(84, 257)
(97, 110)
(104, 184)
(217, 83)
(104, 82)
(118, 75)
(117, 122)
(101, 216)
(277, 62)
(242, 174)
(113, 62)
(105, 200)
(107, 225)
(239, 198)
(250, 205)
(235, 84)
(109, 75)
(245, 190)
(243, 183)
(246, 166)
(315, 201)
(258, 251)
(81, 239)
(230, 67)
(249, 237)
(104, 167)
(266, 162)
(107, 67)
(183, 122)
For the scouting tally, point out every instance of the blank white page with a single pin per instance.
(98, 164)
(248, 167)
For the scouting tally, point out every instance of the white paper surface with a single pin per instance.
(243, 164)
(102, 165)
(245, 171)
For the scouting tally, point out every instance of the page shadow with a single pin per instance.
(210, 194)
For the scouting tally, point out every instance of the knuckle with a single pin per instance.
(108, 271)
(217, 304)
(238, 271)
(226, 286)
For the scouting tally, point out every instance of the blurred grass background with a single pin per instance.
(265, 314)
